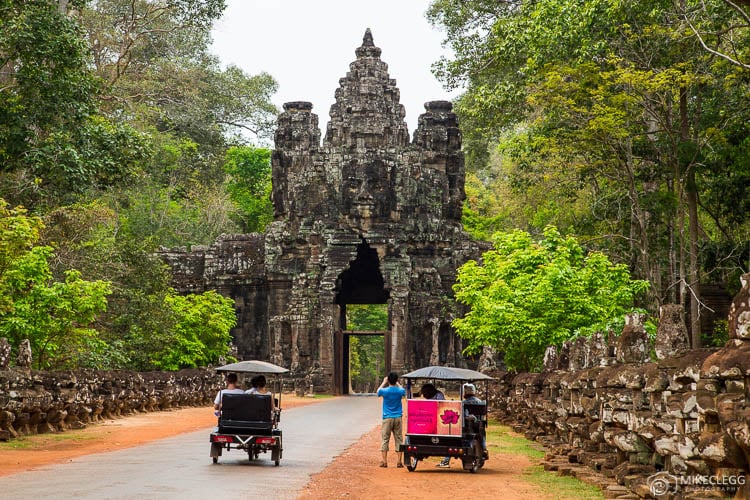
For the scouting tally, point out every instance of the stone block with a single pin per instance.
(672, 335)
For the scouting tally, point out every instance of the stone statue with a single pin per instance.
(4, 353)
(672, 335)
(633, 344)
(24, 354)
(739, 312)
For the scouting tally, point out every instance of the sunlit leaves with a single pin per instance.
(202, 329)
(249, 185)
(528, 294)
(56, 316)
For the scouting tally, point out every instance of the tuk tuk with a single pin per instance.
(250, 422)
(445, 428)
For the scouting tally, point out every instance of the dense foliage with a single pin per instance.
(526, 295)
(201, 334)
(56, 316)
(366, 352)
(60, 316)
(622, 122)
(249, 186)
(121, 133)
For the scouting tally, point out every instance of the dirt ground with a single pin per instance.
(354, 474)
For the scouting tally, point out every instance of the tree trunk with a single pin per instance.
(691, 196)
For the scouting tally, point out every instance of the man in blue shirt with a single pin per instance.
(392, 393)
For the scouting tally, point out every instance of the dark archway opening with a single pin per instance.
(364, 324)
(362, 282)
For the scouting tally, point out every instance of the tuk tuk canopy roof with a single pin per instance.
(252, 366)
(447, 373)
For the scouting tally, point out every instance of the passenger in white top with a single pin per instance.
(231, 389)
(259, 387)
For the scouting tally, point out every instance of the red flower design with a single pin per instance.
(449, 417)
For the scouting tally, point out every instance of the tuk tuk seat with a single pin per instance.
(477, 409)
(246, 414)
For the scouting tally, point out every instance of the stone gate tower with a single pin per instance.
(365, 217)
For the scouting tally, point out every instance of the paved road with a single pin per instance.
(180, 467)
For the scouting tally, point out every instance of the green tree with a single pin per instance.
(721, 27)
(606, 115)
(367, 352)
(201, 336)
(249, 185)
(56, 316)
(45, 85)
(527, 295)
(154, 58)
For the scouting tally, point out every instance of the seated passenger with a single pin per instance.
(429, 391)
(253, 386)
(470, 397)
(259, 387)
(470, 394)
(231, 389)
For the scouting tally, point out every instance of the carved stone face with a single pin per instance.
(743, 325)
(366, 185)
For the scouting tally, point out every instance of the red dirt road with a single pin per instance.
(353, 474)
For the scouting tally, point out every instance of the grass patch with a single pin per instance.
(561, 487)
(40, 441)
(502, 440)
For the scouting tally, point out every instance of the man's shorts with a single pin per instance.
(391, 425)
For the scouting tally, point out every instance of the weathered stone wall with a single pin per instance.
(364, 216)
(609, 416)
(34, 402)
(233, 266)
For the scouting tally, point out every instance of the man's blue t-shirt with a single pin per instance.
(392, 400)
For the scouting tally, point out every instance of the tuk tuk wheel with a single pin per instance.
(411, 462)
(476, 460)
(215, 452)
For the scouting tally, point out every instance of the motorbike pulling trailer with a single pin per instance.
(445, 428)
(248, 422)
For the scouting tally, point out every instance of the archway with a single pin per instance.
(361, 287)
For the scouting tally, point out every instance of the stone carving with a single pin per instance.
(4, 353)
(42, 401)
(364, 217)
(23, 360)
(597, 350)
(672, 335)
(563, 357)
(739, 312)
(633, 344)
(487, 360)
(550, 358)
(688, 414)
(578, 353)
(435, 335)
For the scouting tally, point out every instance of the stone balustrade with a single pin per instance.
(34, 402)
(623, 421)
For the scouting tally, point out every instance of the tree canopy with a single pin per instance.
(56, 316)
(613, 121)
(526, 295)
(115, 124)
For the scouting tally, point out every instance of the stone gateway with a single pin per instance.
(365, 217)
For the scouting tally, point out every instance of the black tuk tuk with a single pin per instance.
(250, 422)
